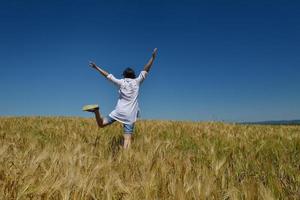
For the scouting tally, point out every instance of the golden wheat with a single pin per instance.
(70, 158)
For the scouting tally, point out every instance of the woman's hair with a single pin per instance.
(129, 73)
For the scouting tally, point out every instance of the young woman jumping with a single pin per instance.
(127, 108)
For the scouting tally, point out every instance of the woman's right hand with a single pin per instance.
(93, 65)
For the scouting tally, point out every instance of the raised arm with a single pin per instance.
(147, 67)
(102, 71)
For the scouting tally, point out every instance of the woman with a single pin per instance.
(127, 108)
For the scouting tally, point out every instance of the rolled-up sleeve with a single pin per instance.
(114, 80)
(141, 77)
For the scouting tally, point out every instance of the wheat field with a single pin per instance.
(70, 158)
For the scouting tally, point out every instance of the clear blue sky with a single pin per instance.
(218, 60)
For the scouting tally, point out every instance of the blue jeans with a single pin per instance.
(128, 128)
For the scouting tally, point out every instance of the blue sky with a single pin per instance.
(217, 60)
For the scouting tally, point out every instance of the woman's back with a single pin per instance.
(127, 107)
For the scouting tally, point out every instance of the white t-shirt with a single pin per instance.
(127, 108)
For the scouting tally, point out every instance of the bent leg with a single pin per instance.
(101, 122)
(99, 119)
